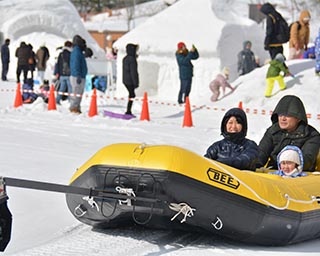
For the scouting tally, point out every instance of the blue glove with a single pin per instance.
(78, 80)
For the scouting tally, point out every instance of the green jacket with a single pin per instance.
(276, 67)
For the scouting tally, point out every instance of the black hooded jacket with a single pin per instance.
(306, 137)
(272, 27)
(235, 149)
(130, 76)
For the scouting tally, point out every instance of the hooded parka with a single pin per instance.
(306, 137)
(235, 149)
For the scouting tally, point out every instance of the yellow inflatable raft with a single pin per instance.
(170, 187)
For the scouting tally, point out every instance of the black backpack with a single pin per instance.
(282, 30)
(299, 25)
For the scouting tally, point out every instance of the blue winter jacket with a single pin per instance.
(185, 65)
(235, 150)
(78, 64)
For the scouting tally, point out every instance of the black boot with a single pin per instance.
(129, 106)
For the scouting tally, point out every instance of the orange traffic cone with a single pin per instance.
(240, 105)
(18, 98)
(52, 99)
(93, 110)
(187, 119)
(145, 108)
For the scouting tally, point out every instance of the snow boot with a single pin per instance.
(129, 106)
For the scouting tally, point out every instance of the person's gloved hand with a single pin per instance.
(78, 80)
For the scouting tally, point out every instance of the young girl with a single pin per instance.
(290, 162)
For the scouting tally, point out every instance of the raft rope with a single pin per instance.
(183, 208)
(126, 191)
(80, 210)
(91, 202)
(312, 200)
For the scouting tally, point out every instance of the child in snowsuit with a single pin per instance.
(28, 95)
(276, 71)
(220, 81)
(317, 53)
(246, 59)
(44, 91)
(290, 162)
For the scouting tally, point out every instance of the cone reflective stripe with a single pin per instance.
(145, 108)
(52, 99)
(93, 111)
(18, 97)
(187, 119)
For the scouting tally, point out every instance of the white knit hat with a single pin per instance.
(290, 155)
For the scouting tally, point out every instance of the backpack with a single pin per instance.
(299, 25)
(65, 63)
(282, 30)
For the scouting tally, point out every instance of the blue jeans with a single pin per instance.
(65, 86)
(185, 88)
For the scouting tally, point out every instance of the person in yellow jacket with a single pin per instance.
(299, 36)
(276, 71)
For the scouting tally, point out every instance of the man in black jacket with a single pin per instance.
(271, 42)
(289, 127)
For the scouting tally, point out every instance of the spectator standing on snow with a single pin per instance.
(130, 75)
(234, 149)
(31, 61)
(42, 56)
(299, 36)
(184, 57)
(317, 53)
(5, 59)
(246, 59)
(63, 72)
(23, 54)
(271, 43)
(78, 72)
(289, 127)
(221, 81)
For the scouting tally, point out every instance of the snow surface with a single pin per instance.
(50, 145)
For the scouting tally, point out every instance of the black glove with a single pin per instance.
(266, 47)
(78, 80)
